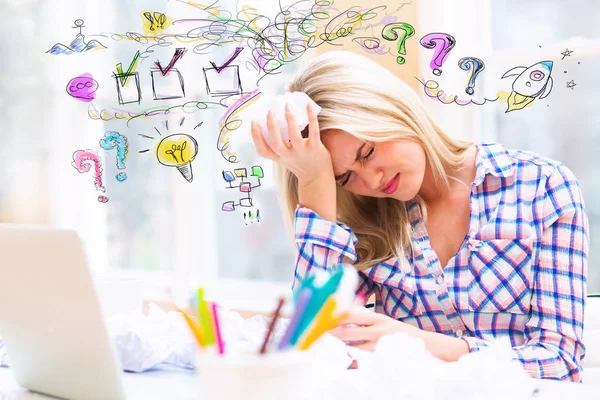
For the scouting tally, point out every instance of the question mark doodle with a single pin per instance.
(475, 65)
(112, 140)
(442, 43)
(82, 162)
(390, 32)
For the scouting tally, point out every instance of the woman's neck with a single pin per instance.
(434, 192)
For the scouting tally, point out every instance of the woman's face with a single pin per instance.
(384, 169)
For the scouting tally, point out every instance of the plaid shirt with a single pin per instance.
(520, 273)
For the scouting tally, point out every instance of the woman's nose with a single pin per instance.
(372, 179)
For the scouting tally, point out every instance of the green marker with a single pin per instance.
(205, 319)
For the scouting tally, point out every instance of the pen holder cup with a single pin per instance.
(290, 375)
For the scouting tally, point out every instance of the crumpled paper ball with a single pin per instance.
(298, 102)
(4, 362)
(401, 367)
(143, 342)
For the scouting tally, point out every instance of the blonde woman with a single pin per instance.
(462, 244)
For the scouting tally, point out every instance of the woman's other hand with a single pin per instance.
(368, 327)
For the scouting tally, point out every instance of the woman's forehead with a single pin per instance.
(343, 148)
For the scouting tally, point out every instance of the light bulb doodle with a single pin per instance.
(83, 160)
(530, 83)
(178, 150)
(474, 66)
(244, 187)
(112, 140)
(400, 32)
(83, 87)
(442, 43)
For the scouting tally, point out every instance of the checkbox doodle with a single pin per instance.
(167, 83)
(130, 92)
(128, 82)
(224, 80)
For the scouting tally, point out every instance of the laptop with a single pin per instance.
(51, 320)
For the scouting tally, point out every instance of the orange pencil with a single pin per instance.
(324, 322)
(195, 329)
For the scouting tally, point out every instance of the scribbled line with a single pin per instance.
(431, 89)
(274, 42)
(112, 114)
(229, 123)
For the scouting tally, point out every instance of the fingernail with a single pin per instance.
(287, 107)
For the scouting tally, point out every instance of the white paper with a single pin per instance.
(144, 342)
(298, 102)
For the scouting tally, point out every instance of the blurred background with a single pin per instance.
(170, 233)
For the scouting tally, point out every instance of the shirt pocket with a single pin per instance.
(397, 292)
(501, 275)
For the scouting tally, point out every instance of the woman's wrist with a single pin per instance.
(319, 195)
(444, 347)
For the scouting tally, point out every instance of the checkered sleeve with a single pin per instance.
(323, 244)
(554, 347)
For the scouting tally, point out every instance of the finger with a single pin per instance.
(367, 346)
(360, 316)
(292, 126)
(314, 135)
(357, 334)
(262, 148)
(274, 136)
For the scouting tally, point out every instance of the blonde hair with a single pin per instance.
(362, 98)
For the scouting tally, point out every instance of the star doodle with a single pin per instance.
(566, 53)
(571, 84)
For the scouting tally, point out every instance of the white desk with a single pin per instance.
(180, 384)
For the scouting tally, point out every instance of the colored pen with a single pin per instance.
(274, 318)
(303, 299)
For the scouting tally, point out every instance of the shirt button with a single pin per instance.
(459, 332)
(440, 280)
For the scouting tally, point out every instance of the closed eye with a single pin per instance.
(346, 177)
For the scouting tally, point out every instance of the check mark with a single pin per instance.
(178, 54)
(232, 57)
(123, 77)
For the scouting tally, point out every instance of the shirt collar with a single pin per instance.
(494, 159)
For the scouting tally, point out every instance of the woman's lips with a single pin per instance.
(392, 185)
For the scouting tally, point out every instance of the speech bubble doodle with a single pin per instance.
(83, 88)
